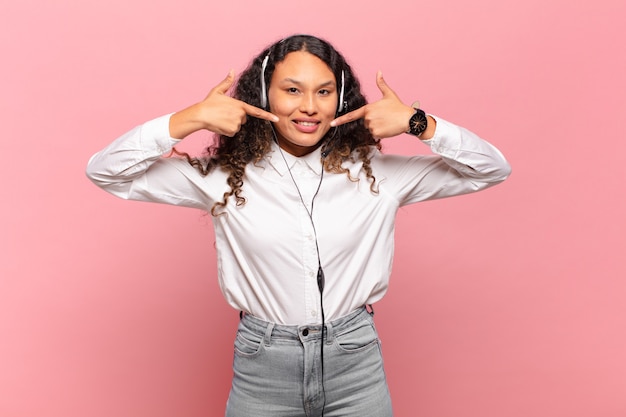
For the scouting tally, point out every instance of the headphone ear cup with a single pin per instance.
(263, 86)
(342, 103)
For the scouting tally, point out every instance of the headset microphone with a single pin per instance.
(320, 279)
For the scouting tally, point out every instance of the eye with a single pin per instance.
(324, 92)
(292, 90)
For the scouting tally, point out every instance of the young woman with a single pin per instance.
(303, 206)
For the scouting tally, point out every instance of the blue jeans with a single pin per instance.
(278, 371)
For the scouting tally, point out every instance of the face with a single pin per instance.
(303, 94)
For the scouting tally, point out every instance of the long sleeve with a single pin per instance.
(462, 163)
(133, 167)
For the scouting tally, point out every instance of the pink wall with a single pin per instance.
(507, 303)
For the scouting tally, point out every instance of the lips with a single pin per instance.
(306, 126)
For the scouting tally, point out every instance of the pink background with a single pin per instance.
(505, 303)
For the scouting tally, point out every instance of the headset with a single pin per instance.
(264, 101)
(321, 281)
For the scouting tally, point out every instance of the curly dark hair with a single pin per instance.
(351, 141)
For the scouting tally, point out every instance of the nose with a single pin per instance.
(308, 103)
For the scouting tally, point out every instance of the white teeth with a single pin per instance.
(307, 123)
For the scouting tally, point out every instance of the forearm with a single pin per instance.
(133, 168)
(131, 154)
(467, 153)
(187, 121)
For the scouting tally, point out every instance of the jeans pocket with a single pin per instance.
(357, 338)
(247, 343)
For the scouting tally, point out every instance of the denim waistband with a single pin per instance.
(305, 332)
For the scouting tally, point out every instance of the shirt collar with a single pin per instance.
(312, 160)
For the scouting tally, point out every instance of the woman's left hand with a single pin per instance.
(384, 118)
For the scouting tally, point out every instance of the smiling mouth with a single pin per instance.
(301, 123)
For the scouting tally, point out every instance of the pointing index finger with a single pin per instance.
(259, 113)
(349, 117)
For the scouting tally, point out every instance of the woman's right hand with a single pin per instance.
(218, 113)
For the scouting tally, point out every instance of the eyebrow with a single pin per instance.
(325, 84)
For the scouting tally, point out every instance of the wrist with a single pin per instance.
(430, 128)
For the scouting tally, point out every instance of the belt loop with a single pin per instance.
(330, 333)
(267, 339)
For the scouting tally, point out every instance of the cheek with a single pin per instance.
(280, 105)
(282, 109)
(329, 108)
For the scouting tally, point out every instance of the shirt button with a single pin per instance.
(313, 313)
(311, 273)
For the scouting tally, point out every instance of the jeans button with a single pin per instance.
(305, 332)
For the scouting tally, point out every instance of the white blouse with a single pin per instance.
(267, 248)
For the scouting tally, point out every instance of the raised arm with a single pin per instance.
(133, 166)
(463, 162)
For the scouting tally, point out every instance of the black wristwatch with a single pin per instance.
(418, 123)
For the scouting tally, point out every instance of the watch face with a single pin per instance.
(418, 123)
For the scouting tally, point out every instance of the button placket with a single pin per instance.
(306, 180)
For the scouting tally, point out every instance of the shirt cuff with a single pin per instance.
(159, 131)
(440, 131)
